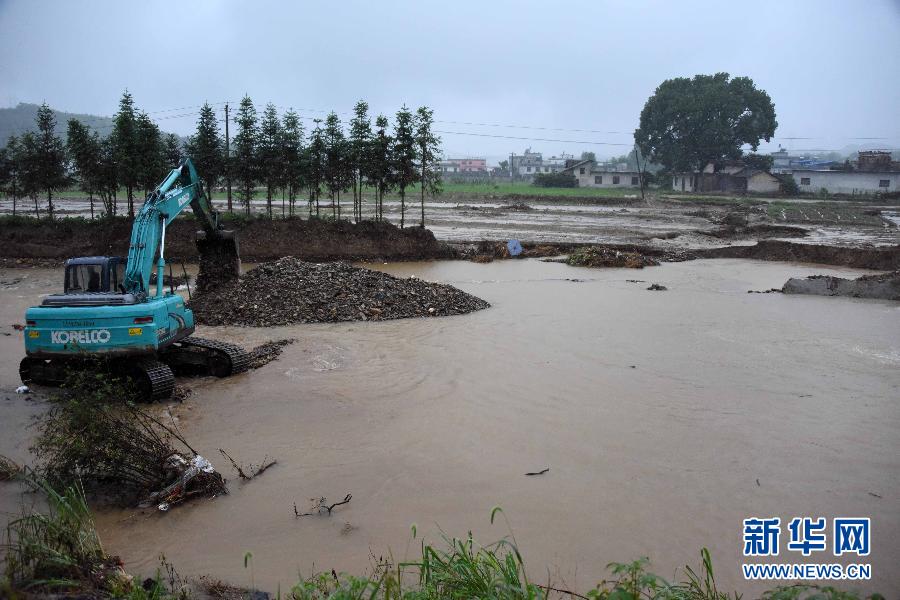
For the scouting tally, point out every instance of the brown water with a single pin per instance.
(665, 419)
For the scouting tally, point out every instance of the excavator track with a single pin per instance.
(212, 356)
(154, 379)
(42, 372)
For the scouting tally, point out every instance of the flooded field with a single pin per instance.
(667, 221)
(665, 418)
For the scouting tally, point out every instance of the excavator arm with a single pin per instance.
(182, 187)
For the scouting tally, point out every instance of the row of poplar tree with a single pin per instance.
(271, 151)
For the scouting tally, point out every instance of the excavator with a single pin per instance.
(109, 311)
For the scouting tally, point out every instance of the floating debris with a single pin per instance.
(602, 256)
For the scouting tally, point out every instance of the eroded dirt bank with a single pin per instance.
(885, 258)
(260, 239)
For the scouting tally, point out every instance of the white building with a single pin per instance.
(530, 163)
(589, 174)
(847, 182)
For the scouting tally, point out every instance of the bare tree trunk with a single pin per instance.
(91, 197)
(50, 204)
(402, 206)
(37, 213)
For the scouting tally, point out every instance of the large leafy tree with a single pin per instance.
(359, 155)
(205, 148)
(245, 168)
(689, 122)
(428, 146)
(403, 154)
(268, 153)
(336, 162)
(50, 156)
(125, 139)
(292, 163)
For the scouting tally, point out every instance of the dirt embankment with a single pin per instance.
(880, 258)
(259, 239)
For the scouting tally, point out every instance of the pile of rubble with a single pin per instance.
(290, 290)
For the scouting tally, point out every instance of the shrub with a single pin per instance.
(555, 180)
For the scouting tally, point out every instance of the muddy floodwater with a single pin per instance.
(665, 418)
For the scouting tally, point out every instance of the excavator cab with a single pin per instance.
(94, 274)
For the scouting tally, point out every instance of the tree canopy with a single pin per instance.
(689, 122)
(205, 148)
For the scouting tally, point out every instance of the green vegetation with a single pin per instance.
(602, 256)
(688, 122)
(555, 180)
(267, 151)
(60, 551)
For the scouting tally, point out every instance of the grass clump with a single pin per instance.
(58, 549)
(8, 468)
(58, 553)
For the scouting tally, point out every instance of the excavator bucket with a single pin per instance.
(220, 259)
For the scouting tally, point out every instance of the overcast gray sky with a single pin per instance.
(831, 67)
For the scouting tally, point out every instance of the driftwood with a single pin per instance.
(541, 472)
(320, 507)
(254, 471)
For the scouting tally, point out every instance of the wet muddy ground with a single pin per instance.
(665, 419)
(666, 220)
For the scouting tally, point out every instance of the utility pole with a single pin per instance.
(227, 159)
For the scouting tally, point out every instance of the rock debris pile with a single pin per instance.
(290, 290)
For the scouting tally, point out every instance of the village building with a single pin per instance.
(728, 177)
(847, 182)
(529, 164)
(463, 165)
(589, 174)
(874, 172)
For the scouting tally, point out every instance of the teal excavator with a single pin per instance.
(108, 309)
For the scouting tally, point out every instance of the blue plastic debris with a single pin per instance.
(514, 247)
